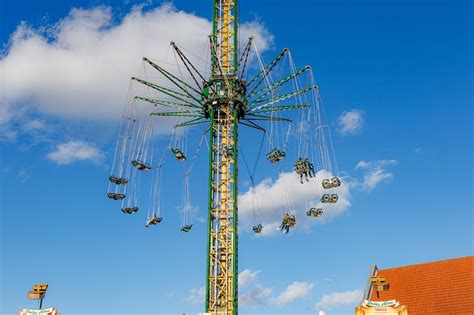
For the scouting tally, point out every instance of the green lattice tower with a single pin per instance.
(224, 101)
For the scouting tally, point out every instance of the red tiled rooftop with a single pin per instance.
(441, 287)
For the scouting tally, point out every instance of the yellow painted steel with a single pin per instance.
(222, 281)
(225, 32)
(221, 276)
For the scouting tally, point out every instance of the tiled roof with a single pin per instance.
(442, 287)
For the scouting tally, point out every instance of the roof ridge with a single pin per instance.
(430, 262)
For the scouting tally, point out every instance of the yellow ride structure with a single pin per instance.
(221, 288)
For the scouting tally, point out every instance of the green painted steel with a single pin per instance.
(214, 36)
(235, 171)
(209, 218)
(175, 79)
(235, 215)
(267, 70)
(178, 114)
(192, 122)
(163, 102)
(236, 36)
(169, 92)
(283, 97)
(279, 108)
(279, 83)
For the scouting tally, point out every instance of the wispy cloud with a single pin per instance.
(23, 175)
(296, 290)
(375, 173)
(196, 296)
(252, 292)
(257, 295)
(246, 277)
(351, 122)
(336, 299)
(72, 151)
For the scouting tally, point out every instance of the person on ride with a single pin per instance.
(311, 170)
(299, 167)
(284, 224)
(306, 166)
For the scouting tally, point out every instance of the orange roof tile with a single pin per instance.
(442, 287)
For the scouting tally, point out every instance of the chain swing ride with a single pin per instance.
(240, 90)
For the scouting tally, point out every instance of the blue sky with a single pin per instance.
(403, 69)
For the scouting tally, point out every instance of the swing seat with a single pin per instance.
(140, 165)
(299, 169)
(186, 228)
(178, 154)
(314, 212)
(275, 155)
(336, 182)
(327, 183)
(258, 229)
(331, 183)
(118, 180)
(328, 198)
(130, 210)
(115, 196)
(153, 220)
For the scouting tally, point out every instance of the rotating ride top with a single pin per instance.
(239, 90)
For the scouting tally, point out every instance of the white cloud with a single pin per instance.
(257, 295)
(251, 292)
(252, 295)
(375, 173)
(271, 197)
(196, 296)
(81, 66)
(246, 277)
(5, 111)
(296, 290)
(348, 298)
(351, 122)
(23, 175)
(67, 153)
(34, 125)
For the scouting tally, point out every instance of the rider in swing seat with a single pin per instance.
(178, 154)
(115, 196)
(118, 180)
(140, 165)
(258, 228)
(153, 220)
(130, 210)
(186, 228)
